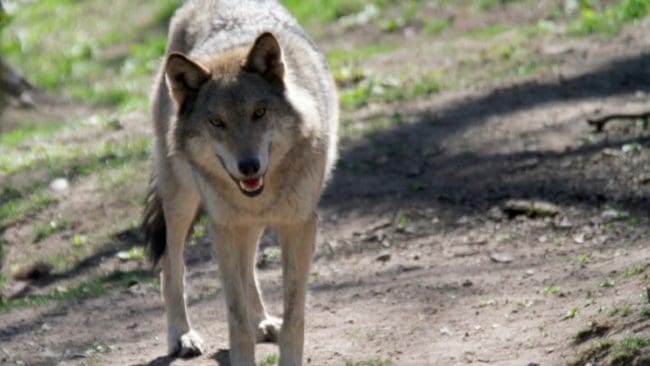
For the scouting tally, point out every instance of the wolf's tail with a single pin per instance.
(153, 224)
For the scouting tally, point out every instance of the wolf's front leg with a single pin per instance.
(266, 327)
(181, 339)
(179, 211)
(297, 242)
(233, 247)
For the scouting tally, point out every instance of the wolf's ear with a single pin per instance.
(265, 58)
(184, 76)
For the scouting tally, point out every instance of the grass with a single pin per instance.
(645, 312)
(321, 11)
(46, 230)
(626, 349)
(16, 210)
(90, 56)
(30, 132)
(270, 360)
(551, 289)
(610, 20)
(636, 270)
(383, 90)
(622, 311)
(90, 288)
(491, 4)
(77, 158)
(340, 56)
(486, 32)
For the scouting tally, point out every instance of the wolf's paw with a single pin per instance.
(187, 345)
(268, 330)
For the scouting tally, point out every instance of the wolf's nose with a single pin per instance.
(249, 166)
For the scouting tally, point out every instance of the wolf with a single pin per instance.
(245, 116)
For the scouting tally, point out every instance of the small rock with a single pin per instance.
(467, 283)
(563, 224)
(415, 256)
(383, 257)
(501, 257)
(614, 215)
(530, 208)
(59, 185)
(496, 214)
(445, 331)
(579, 238)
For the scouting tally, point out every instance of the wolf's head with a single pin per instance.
(233, 121)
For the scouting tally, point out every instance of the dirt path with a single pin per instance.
(419, 260)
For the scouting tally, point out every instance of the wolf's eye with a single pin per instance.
(218, 123)
(259, 113)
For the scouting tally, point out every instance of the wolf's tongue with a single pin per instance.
(251, 183)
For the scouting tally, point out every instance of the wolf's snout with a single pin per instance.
(249, 166)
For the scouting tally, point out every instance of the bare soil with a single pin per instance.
(418, 262)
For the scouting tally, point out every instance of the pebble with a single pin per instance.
(59, 185)
(445, 331)
(501, 257)
(613, 215)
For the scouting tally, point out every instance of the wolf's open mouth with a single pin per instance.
(252, 187)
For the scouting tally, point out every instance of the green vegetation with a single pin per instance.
(15, 210)
(645, 312)
(340, 56)
(30, 132)
(322, 11)
(486, 32)
(607, 282)
(133, 254)
(76, 159)
(490, 4)
(46, 230)
(375, 89)
(270, 360)
(622, 311)
(551, 289)
(93, 287)
(636, 270)
(611, 19)
(626, 349)
(89, 55)
(570, 314)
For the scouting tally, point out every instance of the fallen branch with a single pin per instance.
(599, 123)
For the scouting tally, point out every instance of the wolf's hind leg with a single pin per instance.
(180, 208)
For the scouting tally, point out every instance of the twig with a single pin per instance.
(599, 123)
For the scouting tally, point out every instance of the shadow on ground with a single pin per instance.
(407, 164)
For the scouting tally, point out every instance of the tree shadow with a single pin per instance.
(376, 170)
